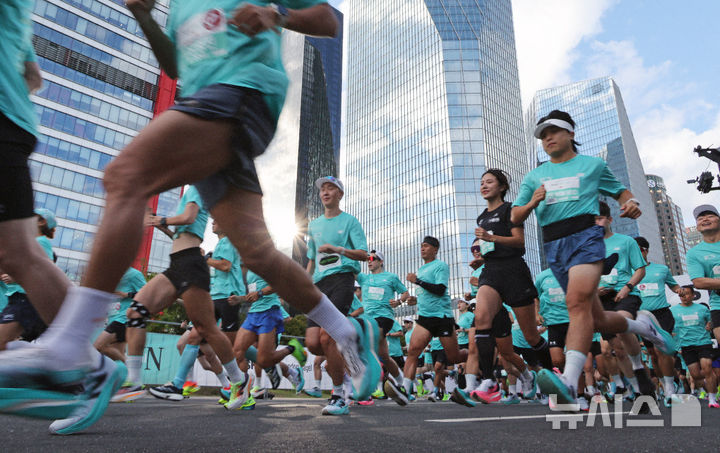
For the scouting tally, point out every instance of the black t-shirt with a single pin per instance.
(497, 222)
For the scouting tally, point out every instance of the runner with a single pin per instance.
(58, 360)
(652, 293)
(336, 245)
(692, 324)
(565, 193)
(111, 341)
(553, 314)
(472, 366)
(435, 319)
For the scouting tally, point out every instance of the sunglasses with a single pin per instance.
(475, 248)
(374, 258)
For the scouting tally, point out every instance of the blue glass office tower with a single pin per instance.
(100, 85)
(603, 129)
(433, 100)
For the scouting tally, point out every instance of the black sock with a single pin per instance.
(486, 348)
(543, 354)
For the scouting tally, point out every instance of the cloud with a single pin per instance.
(546, 35)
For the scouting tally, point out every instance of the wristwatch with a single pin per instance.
(282, 14)
(260, 294)
(630, 285)
(163, 221)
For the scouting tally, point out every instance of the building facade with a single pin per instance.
(433, 100)
(603, 129)
(672, 227)
(99, 90)
(693, 237)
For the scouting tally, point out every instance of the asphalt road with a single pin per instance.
(287, 425)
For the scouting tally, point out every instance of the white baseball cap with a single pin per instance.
(553, 122)
(408, 319)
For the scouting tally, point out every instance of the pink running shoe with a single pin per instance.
(367, 402)
(714, 405)
(491, 396)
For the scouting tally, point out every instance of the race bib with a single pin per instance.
(611, 278)
(690, 320)
(375, 293)
(716, 271)
(327, 261)
(562, 190)
(202, 36)
(487, 247)
(648, 289)
(557, 295)
(252, 287)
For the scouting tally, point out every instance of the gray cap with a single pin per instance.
(703, 208)
(332, 180)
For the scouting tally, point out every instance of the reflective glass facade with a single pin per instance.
(99, 89)
(433, 100)
(672, 227)
(603, 129)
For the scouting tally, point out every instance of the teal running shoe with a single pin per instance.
(361, 357)
(512, 398)
(530, 388)
(554, 384)
(314, 392)
(336, 406)
(34, 367)
(37, 403)
(659, 337)
(249, 404)
(298, 381)
(100, 385)
(461, 397)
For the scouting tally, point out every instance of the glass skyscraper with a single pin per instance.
(672, 227)
(433, 100)
(99, 90)
(603, 129)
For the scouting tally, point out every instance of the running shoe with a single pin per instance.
(299, 353)
(128, 392)
(713, 405)
(460, 397)
(491, 396)
(379, 394)
(167, 392)
(361, 357)
(274, 373)
(249, 405)
(38, 403)
(702, 395)
(554, 384)
(511, 398)
(99, 386)
(432, 396)
(529, 389)
(445, 397)
(297, 380)
(190, 387)
(396, 392)
(240, 392)
(336, 406)
(367, 402)
(34, 367)
(583, 403)
(659, 337)
(258, 392)
(314, 392)
(224, 395)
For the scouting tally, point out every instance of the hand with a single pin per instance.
(538, 196)
(140, 7)
(476, 263)
(236, 300)
(252, 297)
(152, 220)
(602, 290)
(630, 209)
(467, 296)
(395, 303)
(32, 75)
(539, 320)
(474, 281)
(253, 19)
(327, 248)
(411, 277)
(184, 325)
(622, 294)
(481, 233)
(411, 300)
(6, 279)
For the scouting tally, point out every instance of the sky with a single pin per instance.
(664, 57)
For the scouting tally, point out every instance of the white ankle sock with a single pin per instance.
(574, 363)
(82, 313)
(327, 316)
(618, 380)
(526, 376)
(233, 371)
(223, 378)
(636, 361)
(669, 384)
(471, 382)
(133, 363)
(512, 389)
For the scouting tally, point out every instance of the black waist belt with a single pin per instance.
(567, 227)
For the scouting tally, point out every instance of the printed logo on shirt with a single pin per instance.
(213, 19)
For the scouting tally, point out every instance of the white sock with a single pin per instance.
(590, 390)
(574, 363)
(512, 389)
(618, 380)
(256, 378)
(338, 390)
(233, 371)
(712, 397)
(669, 384)
(317, 383)
(486, 384)
(634, 382)
(327, 316)
(636, 361)
(526, 376)
(292, 372)
(637, 327)
(222, 377)
(471, 382)
(398, 378)
(407, 383)
(83, 312)
(133, 363)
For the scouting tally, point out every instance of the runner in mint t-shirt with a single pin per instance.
(564, 193)
(703, 260)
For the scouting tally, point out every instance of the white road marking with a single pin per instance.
(512, 417)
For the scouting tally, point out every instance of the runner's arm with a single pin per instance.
(161, 45)
(706, 283)
(318, 20)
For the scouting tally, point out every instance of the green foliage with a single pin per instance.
(295, 327)
(174, 313)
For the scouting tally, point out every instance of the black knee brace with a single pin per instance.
(138, 323)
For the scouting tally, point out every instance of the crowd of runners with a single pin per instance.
(594, 325)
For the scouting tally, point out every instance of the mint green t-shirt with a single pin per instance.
(430, 305)
(394, 343)
(225, 284)
(377, 291)
(629, 260)
(342, 230)
(255, 283)
(475, 273)
(15, 49)
(465, 321)
(703, 261)
(572, 188)
(210, 51)
(690, 324)
(435, 344)
(3, 297)
(44, 242)
(552, 299)
(197, 228)
(131, 282)
(652, 287)
(357, 304)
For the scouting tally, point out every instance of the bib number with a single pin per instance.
(649, 289)
(557, 295)
(375, 293)
(203, 36)
(611, 278)
(487, 247)
(562, 190)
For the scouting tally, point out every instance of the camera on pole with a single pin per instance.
(706, 179)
